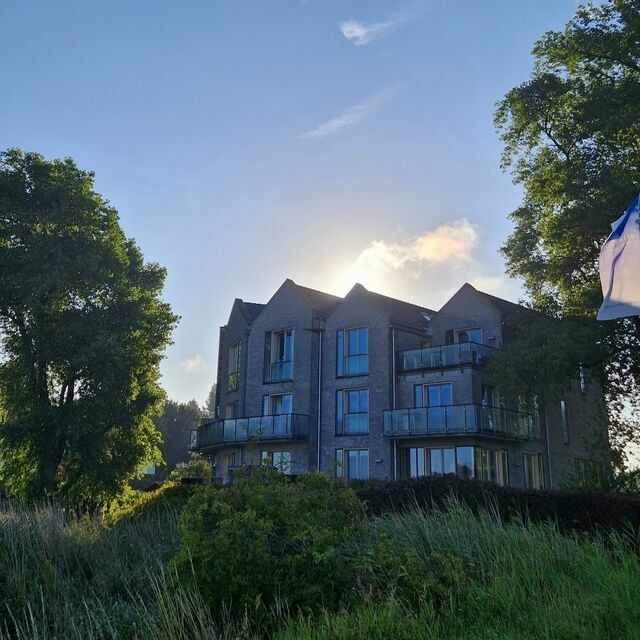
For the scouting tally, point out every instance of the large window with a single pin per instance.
(466, 462)
(353, 352)
(433, 395)
(279, 355)
(352, 464)
(352, 411)
(533, 474)
(277, 405)
(233, 369)
(280, 460)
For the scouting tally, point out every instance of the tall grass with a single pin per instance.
(442, 574)
(521, 581)
(68, 577)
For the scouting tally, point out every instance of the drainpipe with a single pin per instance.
(393, 398)
(246, 362)
(546, 437)
(319, 393)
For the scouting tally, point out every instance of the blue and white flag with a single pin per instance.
(620, 267)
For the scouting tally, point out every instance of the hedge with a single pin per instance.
(579, 511)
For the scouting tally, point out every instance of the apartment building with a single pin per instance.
(367, 386)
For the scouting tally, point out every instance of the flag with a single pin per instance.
(620, 267)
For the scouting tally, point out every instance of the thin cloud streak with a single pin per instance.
(349, 118)
(361, 34)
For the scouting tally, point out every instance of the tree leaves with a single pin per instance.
(83, 330)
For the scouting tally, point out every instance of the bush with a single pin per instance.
(268, 539)
(135, 504)
(579, 511)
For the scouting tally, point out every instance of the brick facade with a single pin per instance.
(310, 439)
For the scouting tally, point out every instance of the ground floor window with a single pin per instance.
(352, 464)
(280, 460)
(480, 463)
(533, 473)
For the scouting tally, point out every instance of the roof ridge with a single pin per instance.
(411, 304)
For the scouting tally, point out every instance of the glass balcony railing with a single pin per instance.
(445, 356)
(281, 371)
(215, 433)
(461, 419)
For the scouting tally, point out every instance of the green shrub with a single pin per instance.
(135, 504)
(572, 511)
(268, 539)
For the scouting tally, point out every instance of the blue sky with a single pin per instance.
(246, 142)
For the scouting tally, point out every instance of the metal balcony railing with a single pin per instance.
(460, 419)
(444, 356)
(216, 433)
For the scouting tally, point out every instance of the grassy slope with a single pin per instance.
(86, 580)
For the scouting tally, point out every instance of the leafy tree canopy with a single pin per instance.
(82, 332)
(571, 138)
(175, 424)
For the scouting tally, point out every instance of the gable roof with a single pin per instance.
(505, 307)
(253, 309)
(411, 316)
(322, 302)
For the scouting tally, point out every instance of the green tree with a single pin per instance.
(82, 331)
(572, 139)
(175, 424)
(210, 404)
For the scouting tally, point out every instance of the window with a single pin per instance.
(432, 395)
(500, 471)
(352, 411)
(280, 460)
(231, 410)
(234, 366)
(532, 466)
(565, 423)
(277, 405)
(279, 355)
(415, 463)
(353, 352)
(469, 335)
(352, 464)
(489, 465)
(442, 461)
(465, 462)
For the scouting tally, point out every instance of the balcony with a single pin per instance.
(461, 419)
(280, 371)
(451, 355)
(218, 433)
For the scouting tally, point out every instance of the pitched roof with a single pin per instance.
(400, 312)
(253, 309)
(505, 307)
(322, 302)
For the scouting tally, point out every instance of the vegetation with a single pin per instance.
(175, 424)
(82, 331)
(283, 530)
(570, 138)
(444, 573)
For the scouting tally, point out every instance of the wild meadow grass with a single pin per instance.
(440, 574)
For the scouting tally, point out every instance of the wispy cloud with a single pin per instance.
(192, 366)
(361, 33)
(352, 116)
